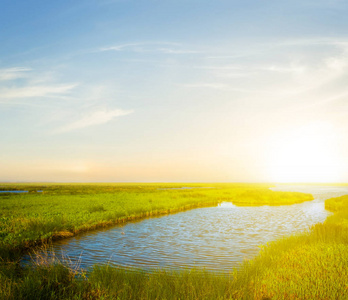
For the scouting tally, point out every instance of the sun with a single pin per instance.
(306, 154)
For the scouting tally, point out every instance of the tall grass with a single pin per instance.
(161, 284)
(311, 265)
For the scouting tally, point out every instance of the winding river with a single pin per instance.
(216, 238)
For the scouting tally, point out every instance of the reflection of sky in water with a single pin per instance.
(16, 192)
(214, 237)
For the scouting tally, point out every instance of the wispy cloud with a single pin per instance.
(35, 91)
(214, 85)
(13, 73)
(120, 47)
(218, 86)
(291, 68)
(94, 118)
(314, 69)
(141, 47)
(176, 51)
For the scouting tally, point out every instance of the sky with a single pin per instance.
(174, 91)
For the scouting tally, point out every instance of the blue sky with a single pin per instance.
(173, 90)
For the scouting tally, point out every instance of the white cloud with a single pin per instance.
(140, 47)
(338, 64)
(119, 47)
(13, 73)
(176, 51)
(215, 85)
(95, 118)
(218, 86)
(35, 91)
(292, 68)
(307, 70)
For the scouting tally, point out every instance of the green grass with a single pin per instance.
(253, 197)
(311, 265)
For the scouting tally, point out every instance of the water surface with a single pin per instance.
(216, 238)
(17, 192)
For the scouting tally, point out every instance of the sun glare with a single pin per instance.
(306, 154)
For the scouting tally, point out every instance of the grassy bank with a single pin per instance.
(312, 265)
(65, 210)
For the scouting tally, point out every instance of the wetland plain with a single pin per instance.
(160, 241)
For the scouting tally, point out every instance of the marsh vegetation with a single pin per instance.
(309, 265)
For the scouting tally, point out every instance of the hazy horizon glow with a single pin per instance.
(307, 154)
(135, 91)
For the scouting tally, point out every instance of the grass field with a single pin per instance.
(310, 265)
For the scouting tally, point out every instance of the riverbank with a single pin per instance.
(277, 272)
(311, 265)
(65, 210)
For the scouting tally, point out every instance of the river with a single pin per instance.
(216, 238)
